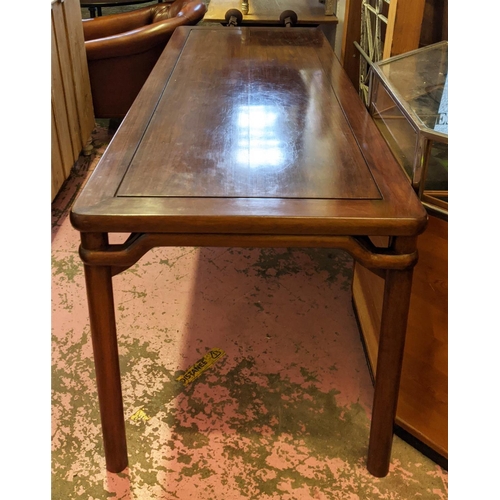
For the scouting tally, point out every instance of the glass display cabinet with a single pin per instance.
(409, 102)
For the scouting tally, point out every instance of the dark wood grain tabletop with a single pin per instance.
(248, 126)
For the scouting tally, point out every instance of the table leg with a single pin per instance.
(92, 12)
(103, 328)
(389, 361)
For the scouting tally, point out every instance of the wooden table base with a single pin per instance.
(103, 260)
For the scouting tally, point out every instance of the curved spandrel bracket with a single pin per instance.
(122, 256)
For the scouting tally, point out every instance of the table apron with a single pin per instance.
(122, 256)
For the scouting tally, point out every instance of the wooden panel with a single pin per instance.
(444, 26)
(58, 175)
(423, 398)
(268, 11)
(72, 110)
(349, 57)
(403, 27)
(80, 75)
(65, 94)
(435, 22)
(285, 135)
(59, 102)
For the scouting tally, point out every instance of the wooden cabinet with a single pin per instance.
(72, 110)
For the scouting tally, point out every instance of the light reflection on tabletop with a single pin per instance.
(258, 143)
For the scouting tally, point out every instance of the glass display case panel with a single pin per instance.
(396, 129)
(409, 103)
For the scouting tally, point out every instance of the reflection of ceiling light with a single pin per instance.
(256, 116)
(258, 145)
(260, 157)
(269, 143)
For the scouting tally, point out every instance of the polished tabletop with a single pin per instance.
(244, 126)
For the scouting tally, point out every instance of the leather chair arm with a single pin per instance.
(143, 38)
(190, 10)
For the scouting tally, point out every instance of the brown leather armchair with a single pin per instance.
(122, 49)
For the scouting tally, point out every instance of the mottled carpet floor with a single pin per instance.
(283, 413)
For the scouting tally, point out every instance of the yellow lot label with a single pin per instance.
(192, 373)
(140, 414)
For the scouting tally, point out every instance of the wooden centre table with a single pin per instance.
(248, 137)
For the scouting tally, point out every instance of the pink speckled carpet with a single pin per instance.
(283, 414)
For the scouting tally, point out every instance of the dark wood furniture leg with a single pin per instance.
(389, 362)
(105, 346)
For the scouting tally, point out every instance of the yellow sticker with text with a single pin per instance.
(140, 414)
(192, 373)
